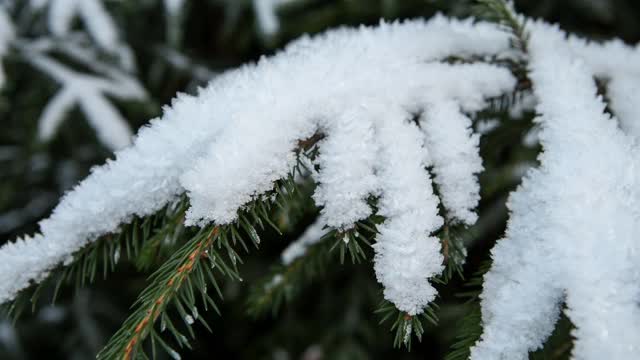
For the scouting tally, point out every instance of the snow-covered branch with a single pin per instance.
(390, 110)
(224, 153)
(574, 220)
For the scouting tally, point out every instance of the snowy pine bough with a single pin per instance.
(380, 118)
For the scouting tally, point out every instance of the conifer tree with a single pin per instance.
(358, 180)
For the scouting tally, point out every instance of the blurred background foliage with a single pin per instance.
(332, 318)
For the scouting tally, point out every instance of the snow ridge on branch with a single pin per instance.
(572, 235)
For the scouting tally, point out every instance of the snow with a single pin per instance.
(266, 15)
(486, 126)
(616, 63)
(96, 20)
(227, 145)
(406, 255)
(389, 110)
(61, 14)
(573, 226)
(297, 249)
(217, 195)
(94, 16)
(9, 337)
(7, 34)
(456, 160)
(173, 7)
(531, 138)
(347, 163)
(174, 354)
(87, 91)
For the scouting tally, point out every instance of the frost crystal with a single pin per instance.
(224, 153)
(574, 222)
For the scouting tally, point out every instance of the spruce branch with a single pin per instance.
(221, 202)
(138, 241)
(183, 275)
(175, 282)
(406, 326)
(454, 252)
(184, 278)
(354, 241)
(470, 325)
(285, 281)
(470, 329)
(202, 257)
(503, 13)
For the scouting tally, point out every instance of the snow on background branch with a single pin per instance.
(267, 15)
(99, 24)
(312, 235)
(87, 91)
(7, 33)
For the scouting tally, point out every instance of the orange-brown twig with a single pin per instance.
(173, 285)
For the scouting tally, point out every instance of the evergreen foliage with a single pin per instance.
(178, 274)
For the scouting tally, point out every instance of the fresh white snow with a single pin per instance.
(617, 64)
(455, 157)
(572, 235)
(406, 254)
